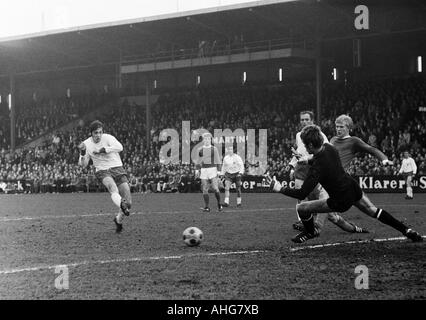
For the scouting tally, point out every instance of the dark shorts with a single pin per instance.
(346, 200)
(407, 174)
(233, 177)
(117, 173)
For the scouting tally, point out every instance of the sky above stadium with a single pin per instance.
(23, 17)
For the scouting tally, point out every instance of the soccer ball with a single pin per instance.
(192, 236)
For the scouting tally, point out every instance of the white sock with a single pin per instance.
(238, 200)
(227, 200)
(409, 191)
(116, 198)
(120, 217)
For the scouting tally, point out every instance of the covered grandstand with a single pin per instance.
(280, 53)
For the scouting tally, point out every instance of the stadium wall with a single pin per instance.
(232, 74)
(250, 184)
(53, 85)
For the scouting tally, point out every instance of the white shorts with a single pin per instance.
(208, 173)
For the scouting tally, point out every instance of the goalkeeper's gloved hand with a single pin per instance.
(274, 185)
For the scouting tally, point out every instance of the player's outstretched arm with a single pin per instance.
(308, 185)
(364, 147)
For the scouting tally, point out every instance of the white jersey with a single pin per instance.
(232, 163)
(408, 165)
(302, 170)
(103, 161)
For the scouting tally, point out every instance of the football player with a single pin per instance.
(348, 146)
(207, 171)
(232, 169)
(408, 170)
(344, 192)
(299, 172)
(103, 149)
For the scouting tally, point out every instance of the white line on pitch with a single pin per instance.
(347, 242)
(160, 212)
(135, 213)
(137, 259)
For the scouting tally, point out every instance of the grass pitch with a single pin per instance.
(246, 253)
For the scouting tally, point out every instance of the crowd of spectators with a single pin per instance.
(35, 117)
(386, 115)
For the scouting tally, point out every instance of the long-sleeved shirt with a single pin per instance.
(349, 146)
(408, 165)
(326, 169)
(103, 161)
(232, 163)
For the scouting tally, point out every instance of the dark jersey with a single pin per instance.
(350, 146)
(327, 170)
(208, 157)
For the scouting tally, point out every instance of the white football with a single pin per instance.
(192, 236)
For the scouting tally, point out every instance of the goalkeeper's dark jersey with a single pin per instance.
(327, 169)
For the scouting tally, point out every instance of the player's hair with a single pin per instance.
(312, 135)
(311, 114)
(95, 125)
(207, 135)
(346, 120)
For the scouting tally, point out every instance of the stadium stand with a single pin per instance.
(393, 122)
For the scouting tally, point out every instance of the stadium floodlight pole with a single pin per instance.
(118, 71)
(148, 113)
(318, 79)
(12, 111)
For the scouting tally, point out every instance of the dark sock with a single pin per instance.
(386, 218)
(217, 195)
(309, 225)
(206, 200)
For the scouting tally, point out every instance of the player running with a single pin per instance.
(344, 192)
(103, 149)
(408, 170)
(299, 172)
(232, 169)
(209, 165)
